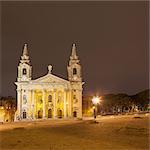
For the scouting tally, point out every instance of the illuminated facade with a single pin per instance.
(48, 96)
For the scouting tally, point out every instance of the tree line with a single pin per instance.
(119, 103)
(8, 108)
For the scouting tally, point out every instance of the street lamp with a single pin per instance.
(95, 101)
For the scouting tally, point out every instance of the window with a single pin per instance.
(74, 71)
(24, 99)
(50, 98)
(24, 71)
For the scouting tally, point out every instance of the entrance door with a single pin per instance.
(50, 113)
(74, 114)
(59, 113)
(24, 115)
(40, 114)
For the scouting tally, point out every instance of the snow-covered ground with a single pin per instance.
(110, 132)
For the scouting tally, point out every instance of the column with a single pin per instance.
(70, 104)
(18, 104)
(28, 104)
(33, 105)
(65, 103)
(80, 104)
(54, 102)
(44, 103)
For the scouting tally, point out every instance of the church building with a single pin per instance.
(48, 96)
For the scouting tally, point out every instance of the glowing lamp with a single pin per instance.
(93, 107)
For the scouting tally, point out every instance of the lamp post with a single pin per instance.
(95, 101)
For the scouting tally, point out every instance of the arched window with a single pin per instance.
(50, 98)
(24, 71)
(74, 71)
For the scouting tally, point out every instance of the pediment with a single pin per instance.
(49, 78)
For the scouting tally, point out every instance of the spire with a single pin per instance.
(25, 50)
(74, 54)
(25, 55)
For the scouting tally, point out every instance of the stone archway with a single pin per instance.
(74, 114)
(50, 113)
(59, 113)
(40, 114)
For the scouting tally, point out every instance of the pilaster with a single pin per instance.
(65, 96)
(19, 103)
(44, 103)
(70, 104)
(33, 104)
(54, 101)
(80, 104)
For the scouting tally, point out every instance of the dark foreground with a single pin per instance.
(110, 133)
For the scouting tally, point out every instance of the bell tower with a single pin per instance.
(24, 68)
(74, 68)
(75, 78)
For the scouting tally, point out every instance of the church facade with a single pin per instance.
(48, 96)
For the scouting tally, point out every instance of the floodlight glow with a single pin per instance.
(95, 100)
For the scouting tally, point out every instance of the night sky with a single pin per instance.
(111, 38)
